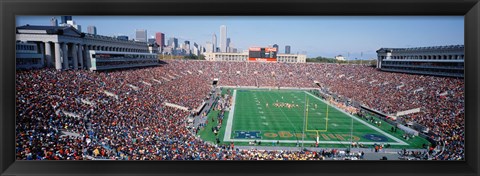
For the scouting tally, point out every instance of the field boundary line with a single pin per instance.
(363, 122)
(306, 141)
(228, 128)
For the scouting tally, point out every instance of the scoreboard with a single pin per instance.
(262, 54)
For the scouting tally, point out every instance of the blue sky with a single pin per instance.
(313, 35)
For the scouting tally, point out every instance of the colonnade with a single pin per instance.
(70, 55)
(430, 57)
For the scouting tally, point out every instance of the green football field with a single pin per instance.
(288, 117)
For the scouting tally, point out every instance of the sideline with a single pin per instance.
(228, 128)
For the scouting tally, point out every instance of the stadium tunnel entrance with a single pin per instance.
(215, 82)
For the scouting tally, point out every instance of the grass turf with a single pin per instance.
(253, 120)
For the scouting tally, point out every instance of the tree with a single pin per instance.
(322, 60)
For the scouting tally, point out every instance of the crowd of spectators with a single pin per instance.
(67, 114)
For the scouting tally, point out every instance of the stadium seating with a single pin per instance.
(130, 122)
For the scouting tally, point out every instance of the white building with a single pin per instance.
(73, 24)
(209, 47)
(243, 57)
(141, 35)
(236, 57)
(223, 38)
(214, 43)
(92, 30)
(340, 58)
(292, 58)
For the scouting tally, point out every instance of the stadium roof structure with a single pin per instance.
(63, 30)
(51, 30)
(445, 47)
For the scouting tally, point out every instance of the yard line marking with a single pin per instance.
(363, 122)
(285, 115)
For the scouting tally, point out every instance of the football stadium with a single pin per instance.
(90, 101)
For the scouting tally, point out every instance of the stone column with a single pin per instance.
(48, 54)
(80, 56)
(42, 52)
(65, 56)
(58, 58)
(74, 56)
(87, 56)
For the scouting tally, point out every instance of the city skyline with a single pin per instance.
(314, 36)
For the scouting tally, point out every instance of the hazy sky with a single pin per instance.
(326, 36)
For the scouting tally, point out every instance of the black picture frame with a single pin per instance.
(470, 9)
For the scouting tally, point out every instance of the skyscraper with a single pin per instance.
(214, 42)
(196, 49)
(160, 39)
(287, 49)
(54, 21)
(170, 42)
(65, 19)
(151, 41)
(209, 47)
(141, 35)
(173, 42)
(228, 45)
(275, 46)
(187, 47)
(223, 38)
(92, 30)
